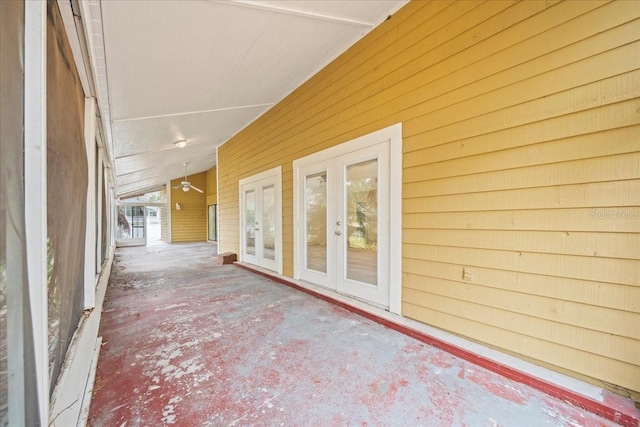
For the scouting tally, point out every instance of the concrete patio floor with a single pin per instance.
(187, 342)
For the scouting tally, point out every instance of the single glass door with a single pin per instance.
(362, 226)
(317, 248)
(132, 225)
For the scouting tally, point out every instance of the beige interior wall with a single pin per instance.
(189, 224)
(521, 162)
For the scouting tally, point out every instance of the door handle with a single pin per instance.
(337, 233)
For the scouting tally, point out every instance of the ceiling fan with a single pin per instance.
(186, 185)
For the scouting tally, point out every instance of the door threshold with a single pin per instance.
(608, 405)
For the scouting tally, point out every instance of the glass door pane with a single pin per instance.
(250, 221)
(315, 195)
(269, 222)
(211, 220)
(137, 222)
(361, 214)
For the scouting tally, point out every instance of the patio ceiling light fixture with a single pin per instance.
(181, 143)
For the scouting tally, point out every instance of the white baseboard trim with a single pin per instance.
(88, 391)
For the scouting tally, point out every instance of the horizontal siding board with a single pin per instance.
(614, 296)
(568, 317)
(536, 75)
(620, 271)
(593, 195)
(565, 220)
(583, 171)
(621, 373)
(602, 344)
(606, 245)
(611, 142)
(525, 50)
(578, 105)
(544, 118)
(607, 64)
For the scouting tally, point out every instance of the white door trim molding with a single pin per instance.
(393, 134)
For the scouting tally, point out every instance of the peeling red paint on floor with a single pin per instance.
(191, 343)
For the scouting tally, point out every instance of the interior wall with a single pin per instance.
(189, 224)
(67, 177)
(521, 162)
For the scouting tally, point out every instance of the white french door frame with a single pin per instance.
(304, 166)
(256, 182)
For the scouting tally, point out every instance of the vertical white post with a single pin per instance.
(114, 213)
(168, 219)
(99, 175)
(90, 234)
(35, 186)
(395, 220)
(217, 201)
(111, 206)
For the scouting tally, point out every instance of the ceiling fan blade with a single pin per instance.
(175, 187)
(195, 188)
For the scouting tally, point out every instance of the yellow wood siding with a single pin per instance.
(189, 224)
(212, 189)
(521, 141)
(163, 223)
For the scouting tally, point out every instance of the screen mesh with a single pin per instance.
(66, 193)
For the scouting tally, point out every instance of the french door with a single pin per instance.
(260, 220)
(343, 213)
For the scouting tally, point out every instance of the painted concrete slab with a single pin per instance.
(188, 342)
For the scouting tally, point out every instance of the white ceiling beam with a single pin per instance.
(278, 9)
(141, 192)
(186, 113)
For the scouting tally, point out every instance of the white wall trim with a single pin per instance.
(218, 233)
(395, 219)
(35, 188)
(99, 189)
(90, 227)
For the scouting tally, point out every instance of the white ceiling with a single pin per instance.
(202, 70)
